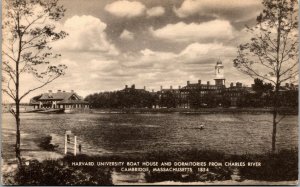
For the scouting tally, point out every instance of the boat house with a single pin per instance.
(60, 99)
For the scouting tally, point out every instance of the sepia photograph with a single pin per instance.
(149, 92)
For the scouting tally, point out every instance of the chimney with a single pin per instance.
(179, 87)
(231, 84)
(58, 91)
(50, 93)
(72, 91)
(171, 87)
(144, 87)
(188, 82)
(207, 82)
(152, 90)
(161, 87)
(133, 86)
(126, 86)
(199, 81)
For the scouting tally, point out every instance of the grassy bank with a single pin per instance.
(282, 166)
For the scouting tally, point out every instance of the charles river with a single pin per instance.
(139, 133)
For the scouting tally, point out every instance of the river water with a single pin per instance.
(140, 133)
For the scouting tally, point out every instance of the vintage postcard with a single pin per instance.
(149, 92)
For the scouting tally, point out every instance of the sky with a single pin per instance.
(149, 43)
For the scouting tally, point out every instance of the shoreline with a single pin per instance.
(285, 111)
(217, 110)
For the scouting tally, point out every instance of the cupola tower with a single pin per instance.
(219, 71)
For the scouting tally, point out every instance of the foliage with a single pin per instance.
(122, 99)
(199, 100)
(289, 99)
(29, 30)
(54, 172)
(260, 87)
(46, 144)
(272, 53)
(169, 100)
(263, 97)
(282, 166)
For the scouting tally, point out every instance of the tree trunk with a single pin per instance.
(274, 130)
(18, 136)
(275, 113)
(17, 100)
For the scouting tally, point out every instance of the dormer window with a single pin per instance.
(73, 97)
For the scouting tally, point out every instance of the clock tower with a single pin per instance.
(219, 71)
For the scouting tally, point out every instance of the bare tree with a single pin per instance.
(272, 53)
(28, 29)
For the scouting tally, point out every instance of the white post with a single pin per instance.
(66, 144)
(75, 145)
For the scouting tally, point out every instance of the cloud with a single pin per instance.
(233, 10)
(156, 11)
(99, 66)
(230, 8)
(127, 35)
(195, 58)
(195, 61)
(197, 53)
(193, 32)
(86, 33)
(127, 9)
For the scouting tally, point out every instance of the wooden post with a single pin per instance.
(75, 145)
(66, 144)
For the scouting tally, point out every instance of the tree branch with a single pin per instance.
(11, 96)
(252, 72)
(9, 56)
(31, 90)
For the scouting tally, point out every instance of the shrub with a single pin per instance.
(282, 166)
(54, 172)
(46, 144)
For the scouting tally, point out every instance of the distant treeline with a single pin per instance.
(120, 99)
(142, 99)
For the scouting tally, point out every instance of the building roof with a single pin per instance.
(202, 86)
(61, 97)
(58, 96)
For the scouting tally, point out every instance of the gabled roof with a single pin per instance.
(57, 96)
(61, 97)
